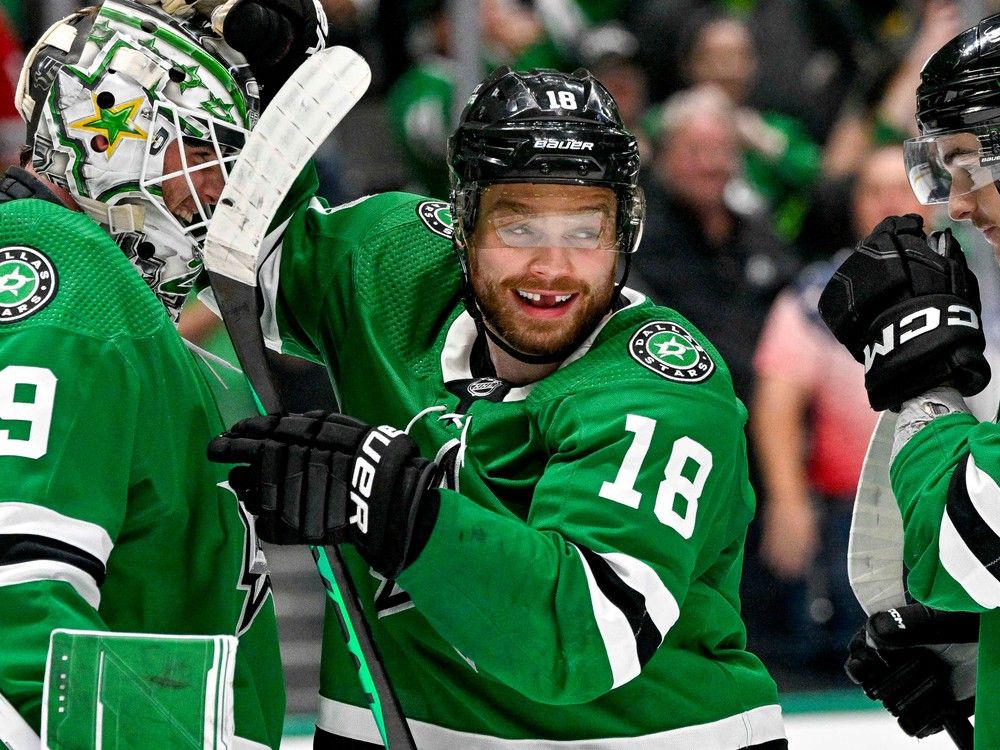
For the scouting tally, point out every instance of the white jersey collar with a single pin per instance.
(456, 356)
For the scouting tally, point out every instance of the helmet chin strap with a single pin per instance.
(472, 305)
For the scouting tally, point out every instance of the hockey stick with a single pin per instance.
(298, 120)
(875, 561)
(875, 554)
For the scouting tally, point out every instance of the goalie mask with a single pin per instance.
(543, 127)
(140, 116)
(958, 116)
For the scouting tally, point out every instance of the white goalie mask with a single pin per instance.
(111, 99)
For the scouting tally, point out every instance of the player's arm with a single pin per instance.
(945, 480)
(908, 307)
(639, 492)
(631, 501)
(64, 458)
(307, 270)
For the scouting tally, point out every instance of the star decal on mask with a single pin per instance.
(101, 33)
(115, 123)
(191, 78)
(218, 108)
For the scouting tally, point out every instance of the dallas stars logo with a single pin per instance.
(436, 216)
(28, 282)
(14, 284)
(669, 350)
(115, 123)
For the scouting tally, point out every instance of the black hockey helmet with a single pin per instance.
(958, 84)
(544, 126)
(958, 93)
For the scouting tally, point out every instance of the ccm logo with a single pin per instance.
(917, 324)
(567, 145)
(363, 475)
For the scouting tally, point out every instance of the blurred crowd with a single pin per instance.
(771, 135)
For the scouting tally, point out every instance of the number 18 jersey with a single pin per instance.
(581, 581)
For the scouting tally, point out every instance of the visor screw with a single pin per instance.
(583, 169)
(544, 168)
(105, 100)
(148, 26)
(176, 74)
(145, 250)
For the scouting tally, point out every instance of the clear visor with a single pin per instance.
(208, 146)
(953, 163)
(578, 231)
(555, 217)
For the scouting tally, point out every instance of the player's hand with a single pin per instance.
(890, 662)
(910, 314)
(275, 36)
(321, 478)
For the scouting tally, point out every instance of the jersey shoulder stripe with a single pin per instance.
(968, 542)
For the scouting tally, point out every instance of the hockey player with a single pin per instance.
(110, 516)
(548, 526)
(911, 313)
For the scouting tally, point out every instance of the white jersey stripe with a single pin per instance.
(36, 520)
(619, 640)
(660, 603)
(49, 570)
(984, 494)
(963, 565)
(752, 727)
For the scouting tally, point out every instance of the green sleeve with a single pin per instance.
(949, 545)
(641, 494)
(310, 277)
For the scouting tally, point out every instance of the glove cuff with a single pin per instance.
(937, 338)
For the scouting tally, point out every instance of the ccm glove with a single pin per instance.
(909, 313)
(887, 658)
(275, 36)
(320, 478)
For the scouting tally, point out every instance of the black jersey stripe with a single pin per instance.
(21, 548)
(630, 602)
(981, 540)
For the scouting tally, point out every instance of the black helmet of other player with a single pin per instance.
(543, 126)
(105, 92)
(958, 116)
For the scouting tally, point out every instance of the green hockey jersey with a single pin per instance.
(580, 583)
(111, 516)
(945, 481)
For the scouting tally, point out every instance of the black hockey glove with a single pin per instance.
(910, 314)
(321, 478)
(888, 660)
(275, 36)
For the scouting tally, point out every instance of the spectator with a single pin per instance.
(883, 111)
(420, 102)
(780, 158)
(706, 249)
